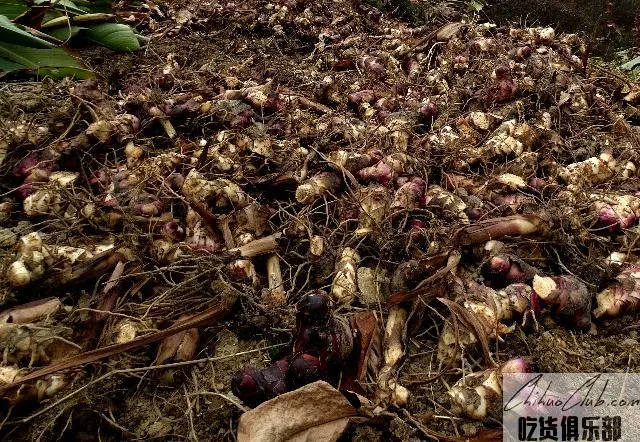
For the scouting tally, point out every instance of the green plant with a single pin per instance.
(33, 31)
(475, 5)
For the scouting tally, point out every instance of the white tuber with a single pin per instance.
(344, 288)
(374, 207)
(316, 187)
(594, 170)
(389, 391)
(225, 193)
(479, 395)
(493, 310)
(450, 203)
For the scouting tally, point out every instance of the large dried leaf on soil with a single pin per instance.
(114, 36)
(316, 412)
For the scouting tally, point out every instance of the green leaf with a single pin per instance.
(52, 61)
(61, 72)
(13, 8)
(632, 64)
(50, 15)
(114, 36)
(68, 7)
(64, 33)
(475, 5)
(9, 32)
(95, 5)
(9, 66)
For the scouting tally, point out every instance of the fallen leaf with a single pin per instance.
(448, 31)
(369, 343)
(316, 412)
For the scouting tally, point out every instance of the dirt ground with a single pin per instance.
(123, 397)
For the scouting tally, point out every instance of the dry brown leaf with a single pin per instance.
(367, 325)
(316, 412)
(179, 347)
(31, 311)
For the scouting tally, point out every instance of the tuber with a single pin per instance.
(568, 298)
(316, 187)
(344, 288)
(479, 395)
(492, 309)
(623, 296)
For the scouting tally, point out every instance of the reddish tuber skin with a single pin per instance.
(32, 165)
(504, 269)
(473, 213)
(254, 386)
(417, 224)
(614, 222)
(374, 67)
(621, 297)
(173, 231)
(568, 298)
(428, 113)
(100, 178)
(537, 183)
(382, 172)
(303, 370)
(24, 190)
(147, 205)
(409, 195)
(503, 87)
(357, 98)
(514, 366)
(322, 341)
(319, 333)
(313, 309)
(521, 53)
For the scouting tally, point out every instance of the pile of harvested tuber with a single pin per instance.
(286, 202)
